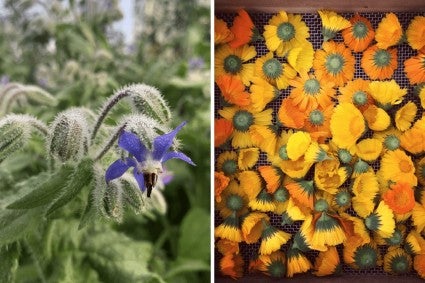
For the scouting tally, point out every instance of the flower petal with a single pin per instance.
(132, 144)
(140, 180)
(116, 169)
(179, 155)
(162, 143)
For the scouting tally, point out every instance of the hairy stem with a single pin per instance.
(36, 262)
(40, 126)
(106, 108)
(111, 142)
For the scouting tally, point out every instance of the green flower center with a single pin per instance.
(372, 222)
(334, 63)
(343, 198)
(232, 64)
(312, 86)
(286, 219)
(316, 117)
(361, 166)
(277, 269)
(395, 239)
(400, 265)
(242, 120)
(360, 30)
(272, 68)
(392, 142)
(283, 153)
(286, 31)
(234, 202)
(365, 257)
(229, 167)
(382, 58)
(344, 155)
(281, 194)
(359, 98)
(321, 205)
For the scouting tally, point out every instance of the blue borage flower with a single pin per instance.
(147, 163)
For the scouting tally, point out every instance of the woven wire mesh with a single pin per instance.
(313, 21)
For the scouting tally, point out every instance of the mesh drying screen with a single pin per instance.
(314, 23)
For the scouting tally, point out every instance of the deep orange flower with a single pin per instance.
(317, 122)
(233, 90)
(232, 265)
(244, 30)
(223, 129)
(419, 265)
(290, 115)
(414, 67)
(400, 198)
(221, 181)
(357, 93)
(273, 177)
(359, 35)
(222, 34)
(379, 64)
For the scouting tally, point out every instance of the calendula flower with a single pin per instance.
(361, 234)
(415, 33)
(229, 229)
(361, 256)
(357, 93)
(290, 115)
(317, 123)
(420, 170)
(419, 265)
(297, 145)
(284, 32)
(252, 226)
(418, 216)
(296, 263)
(272, 239)
(271, 69)
(223, 129)
(329, 176)
(381, 220)
(397, 261)
(221, 181)
(301, 58)
(225, 246)
(397, 166)
(233, 90)
(360, 167)
(295, 169)
(147, 163)
(247, 157)
(341, 201)
(359, 35)
(281, 197)
(347, 125)
(295, 211)
(250, 182)
(414, 67)
(405, 115)
(369, 149)
(262, 92)
(397, 238)
(234, 62)
(334, 63)
(222, 34)
(274, 264)
(387, 93)
(227, 162)
(327, 263)
(264, 138)
(365, 188)
(263, 202)
(332, 23)
(243, 120)
(413, 140)
(273, 177)
(327, 231)
(234, 200)
(415, 243)
(390, 138)
(232, 265)
(377, 119)
(316, 153)
(244, 30)
(400, 198)
(344, 156)
(302, 191)
(378, 63)
(389, 31)
(309, 92)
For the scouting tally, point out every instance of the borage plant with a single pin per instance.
(85, 176)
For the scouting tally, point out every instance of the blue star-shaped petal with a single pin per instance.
(147, 163)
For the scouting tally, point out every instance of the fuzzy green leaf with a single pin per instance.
(81, 177)
(45, 192)
(9, 255)
(195, 235)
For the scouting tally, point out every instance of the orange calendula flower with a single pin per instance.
(225, 246)
(413, 140)
(419, 265)
(302, 191)
(347, 125)
(332, 23)
(284, 32)
(327, 263)
(271, 69)
(262, 92)
(360, 255)
(222, 34)
(415, 33)
(414, 67)
(389, 31)
(397, 166)
(232, 265)
(359, 35)
(296, 263)
(252, 226)
(334, 63)
(378, 63)
(234, 62)
(317, 123)
(290, 115)
(244, 30)
(221, 181)
(233, 90)
(357, 93)
(400, 198)
(273, 177)
(397, 261)
(308, 92)
(250, 183)
(223, 129)
(273, 265)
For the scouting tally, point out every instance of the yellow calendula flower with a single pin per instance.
(230, 229)
(247, 157)
(381, 221)
(415, 33)
(263, 202)
(405, 115)
(332, 23)
(250, 182)
(420, 170)
(377, 119)
(389, 31)
(274, 264)
(365, 189)
(369, 149)
(272, 239)
(252, 226)
(262, 92)
(390, 138)
(387, 93)
(296, 263)
(227, 162)
(301, 58)
(316, 153)
(397, 166)
(329, 176)
(347, 125)
(397, 261)
(284, 32)
(234, 200)
(297, 145)
(234, 62)
(271, 69)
